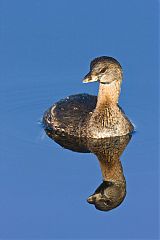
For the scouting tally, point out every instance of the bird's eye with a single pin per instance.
(102, 70)
(108, 202)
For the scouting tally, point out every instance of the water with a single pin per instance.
(45, 49)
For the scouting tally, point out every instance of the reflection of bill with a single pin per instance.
(112, 191)
(108, 195)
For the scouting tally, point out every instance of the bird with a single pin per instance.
(88, 116)
(112, 191)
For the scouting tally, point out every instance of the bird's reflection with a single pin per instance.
(112, 191)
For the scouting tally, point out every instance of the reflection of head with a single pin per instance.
(112, 191)
(108, 195)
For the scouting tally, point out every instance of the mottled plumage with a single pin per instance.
(84, 115)
(112, 191)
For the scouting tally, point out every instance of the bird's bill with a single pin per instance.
(90, 78)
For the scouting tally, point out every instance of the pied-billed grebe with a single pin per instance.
(112, 191)
(84, 115)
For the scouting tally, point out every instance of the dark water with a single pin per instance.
(45, 52)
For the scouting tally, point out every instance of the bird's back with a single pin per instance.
(67, 115)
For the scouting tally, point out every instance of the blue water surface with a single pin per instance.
(45, 50)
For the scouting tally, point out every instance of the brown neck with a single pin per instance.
(108, 152)
(108, 94)
(112, 171)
